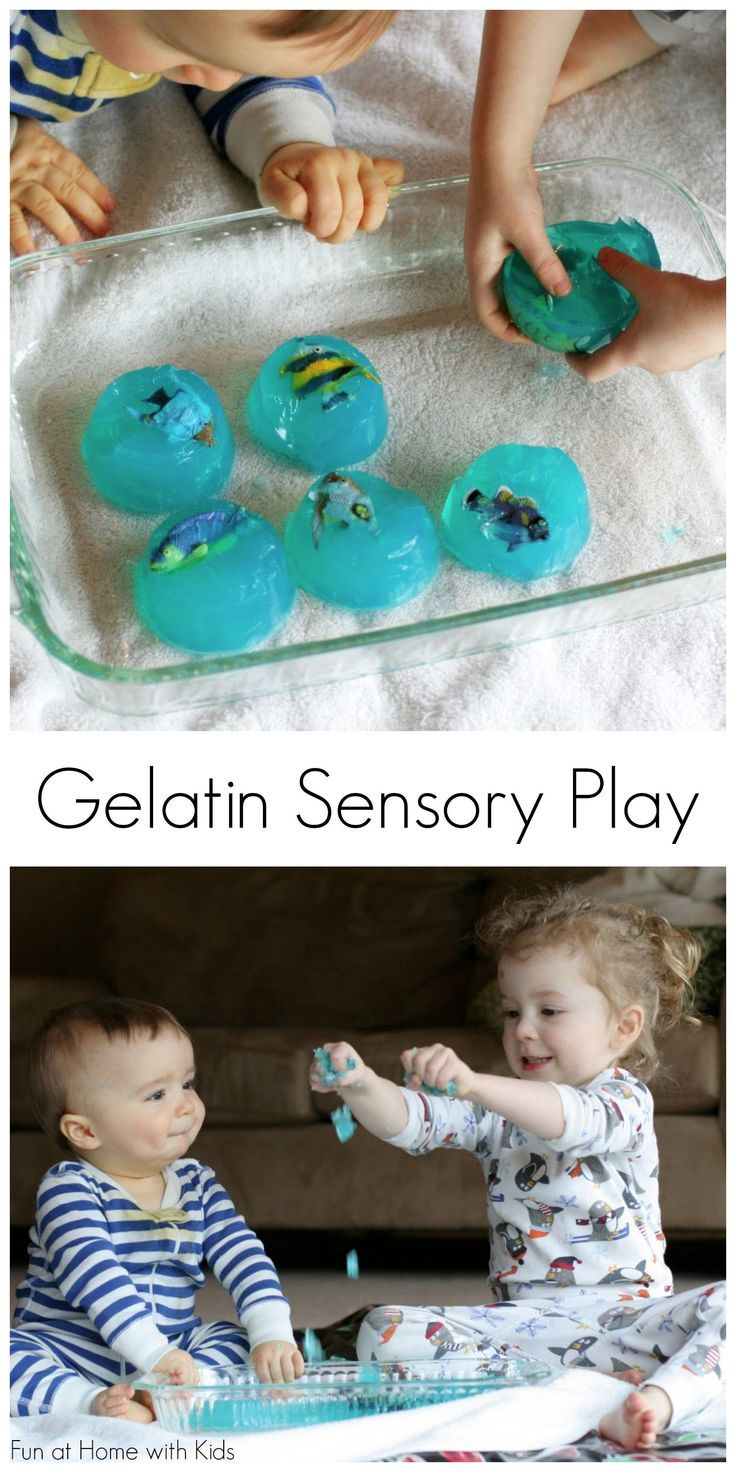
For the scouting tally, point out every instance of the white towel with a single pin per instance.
(412, 96)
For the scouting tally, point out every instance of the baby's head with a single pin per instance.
(113, 1083)
(584, 984)
(213, 48)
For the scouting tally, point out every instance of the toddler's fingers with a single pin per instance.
(375, 199)
(77, 170)
(596, 367)
(286, 195)
(37, 200)
(288, 1373)
(491, 312)
(351, 210)
(75, 199)
(391, 171)
(20, 236)
(533, 244)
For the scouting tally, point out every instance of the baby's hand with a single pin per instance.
(179, 1366)
(276, 1361)
(504, 214)
(333, 191)
(344, 1060)
(681, 320)
(436, 1067)
(51, 183)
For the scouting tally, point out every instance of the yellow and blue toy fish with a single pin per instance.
(508, 518)
(317, 369)
(204, 535)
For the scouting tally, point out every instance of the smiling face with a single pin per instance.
(136, 1107)
(558, 1026)
(213, 48)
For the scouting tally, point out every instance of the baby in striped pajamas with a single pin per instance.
(125, 1225)
(569, 1154)
(244, 71)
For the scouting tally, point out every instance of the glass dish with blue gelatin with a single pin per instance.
(319, 402)
(359, 542)
(158, 438)
(233, 1400)
(598, 308)
(214, 579)
(520, 511)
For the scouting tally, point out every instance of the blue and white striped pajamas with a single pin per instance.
(110, 1286)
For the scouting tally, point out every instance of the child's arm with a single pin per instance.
(239, 1261)
(528, 1103)
(521, 56)
(52, 184)
(377, 1103)
(279, 133)
(680, 322)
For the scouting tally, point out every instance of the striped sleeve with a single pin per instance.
(239, 1261)
(45, 68)
(251, 120)
(74, 1233)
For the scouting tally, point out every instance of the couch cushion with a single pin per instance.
(332, 949)
(31, 997)
(257, 1076)
(689, 1078)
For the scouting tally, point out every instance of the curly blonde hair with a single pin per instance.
(634, 956)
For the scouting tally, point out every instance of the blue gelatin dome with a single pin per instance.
(158, 439)
(598, 308)
(319, 402)
(360, 542)
(213, 579)
(520, 511)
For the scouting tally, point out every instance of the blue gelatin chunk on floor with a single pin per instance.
(352, 1267)
(213, 579)
(519, 511)
(598, 308)
(343, 1123)
(359, 542)
(158, 439)
(319, 402)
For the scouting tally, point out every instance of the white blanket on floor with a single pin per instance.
(412, 96)
(506, 1420)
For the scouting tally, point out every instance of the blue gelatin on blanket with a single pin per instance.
(158, 439)
(213, 579)
(319, 402)
(520, 511)
(359, 542)
(598, 308)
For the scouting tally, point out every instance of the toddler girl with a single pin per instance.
(123, 1226)
(569, 1156)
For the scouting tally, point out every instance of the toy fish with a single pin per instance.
(317, 369)
(203, 535)
(509, 518)
(182, 416)
(336, 498)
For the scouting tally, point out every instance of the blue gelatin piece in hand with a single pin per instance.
(319, 402)
(519, 510)
(360, 542)
(158, 439)
(214, 580)
(598, 308)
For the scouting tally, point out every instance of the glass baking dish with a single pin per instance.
(233, 1400)
(217, 296)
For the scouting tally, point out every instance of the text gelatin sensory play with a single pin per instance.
(520, 511)
(598, 308)
(158, 439)
(213, 579)
(318, 401)
(360, 542)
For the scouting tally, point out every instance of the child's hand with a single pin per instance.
(437, 1066)
(341, 1054)
(333, 191)
(276, 1361)
(51, 183)
(681, 320)
(504, 214)
(179, 1366)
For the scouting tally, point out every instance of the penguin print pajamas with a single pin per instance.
(577, 1267)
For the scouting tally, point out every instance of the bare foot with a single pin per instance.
(637, 1420)
(120, 1401)
(606, 42)
(634, 1377)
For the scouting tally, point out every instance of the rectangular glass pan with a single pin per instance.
(233, 1400)
(218, 296)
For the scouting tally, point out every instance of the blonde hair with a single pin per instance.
(634, 955)
(58, 1047)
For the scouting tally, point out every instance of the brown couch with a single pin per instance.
(263, 965)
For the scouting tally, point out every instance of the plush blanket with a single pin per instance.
(412, 96)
